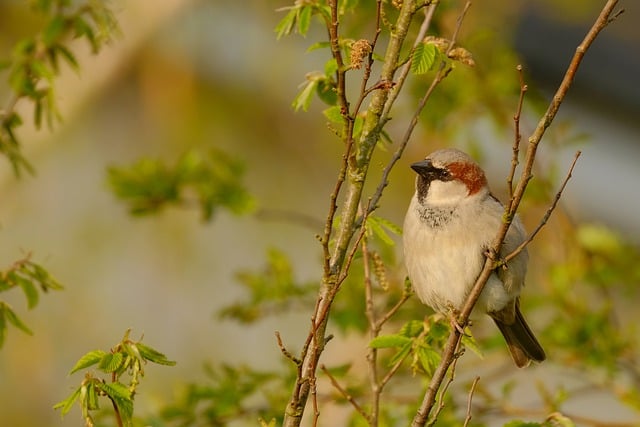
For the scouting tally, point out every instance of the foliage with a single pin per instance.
(32, 279)
(210, 182)
(228, 393)
(362, 290)
(35, 63)
(124, 365)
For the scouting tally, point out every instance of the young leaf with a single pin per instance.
(286, 24)
(11, 316)
(111, 362)
(333, 115)
(389, 341)
(412, 328)
(115, 390)
(303, 98)
(470, 342)
(66, 404)
(87, 360)
(424, 56)
(153, 355)
(304, 19)
(429, 359)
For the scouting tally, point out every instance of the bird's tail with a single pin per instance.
(523, 345)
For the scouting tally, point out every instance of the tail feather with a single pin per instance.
(522, 344)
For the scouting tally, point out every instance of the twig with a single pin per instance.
(517, 135)
(440, 76)
(393, 310)
(345, 393)
(406, 68)
(467, 419)
(547, 214)
(291, 217)
(601, 22)
(284, 350)
(443, 390)
(374, 330)
(314, 401)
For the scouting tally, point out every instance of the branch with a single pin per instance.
(546, 216)
(517, 136)
(355, 162)
(440, 76)
(606, 16)
(345, 393)
(467, 418)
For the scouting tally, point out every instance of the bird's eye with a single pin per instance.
(444, 175)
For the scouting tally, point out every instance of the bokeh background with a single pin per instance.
(199, 74)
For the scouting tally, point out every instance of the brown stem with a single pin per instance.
(601, 22)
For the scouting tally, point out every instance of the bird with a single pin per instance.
(449, 226)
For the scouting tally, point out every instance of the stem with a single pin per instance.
(353, 172)
(601, 22)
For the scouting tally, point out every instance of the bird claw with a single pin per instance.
(452, 316)
(496, 258)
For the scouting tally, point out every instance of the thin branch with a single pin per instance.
(406, 68)
(314, 401)
(286, 352)
(393, 310)
(517, 135)
(345, 393)
(468, 417)
(291, 217)
(442, 73)
(443, 390)
(547, 214)
(372, 353)
(601, 22)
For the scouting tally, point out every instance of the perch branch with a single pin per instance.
(605, 18)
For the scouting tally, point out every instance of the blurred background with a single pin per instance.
(201, 74)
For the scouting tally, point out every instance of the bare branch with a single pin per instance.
(467, 418)
(345, 393)
(517, 135)
(601, 22)
(547, 214)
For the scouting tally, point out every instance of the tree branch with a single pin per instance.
(606, 16)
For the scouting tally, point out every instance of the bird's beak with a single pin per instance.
(422, 166)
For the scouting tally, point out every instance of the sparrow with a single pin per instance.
(450, 224)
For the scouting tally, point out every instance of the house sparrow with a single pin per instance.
(451, 222)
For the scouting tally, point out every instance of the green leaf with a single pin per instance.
(111, 362)
(412, 328)
(286, 24)
(91, 401)
(87, 360)
(153, 355)
(28, 288)
(559, 420)
(66, 405)
(378, 227)
(429, 359)
(68, 56)
(389, 341)
(115, 390)
(334, 115)
(302, 101)
(53, 31)
(470, 342)
(424, 56)
(304, 19)
(318, 45)
(519, 423)
(13, 318)
(3, 327)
